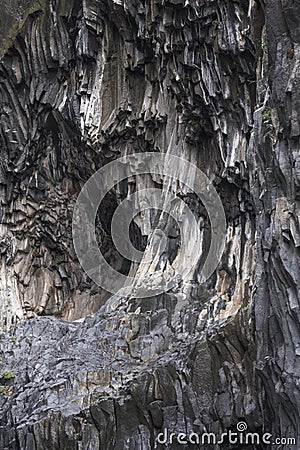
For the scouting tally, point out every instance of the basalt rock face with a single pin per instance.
(82, 83)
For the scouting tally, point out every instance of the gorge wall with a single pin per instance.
(82, 83)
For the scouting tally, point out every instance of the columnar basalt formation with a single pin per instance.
(82, 83)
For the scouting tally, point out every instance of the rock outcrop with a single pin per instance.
(82, 83)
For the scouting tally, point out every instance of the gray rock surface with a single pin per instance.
(82, 83)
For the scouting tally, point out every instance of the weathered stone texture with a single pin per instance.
(82, 83)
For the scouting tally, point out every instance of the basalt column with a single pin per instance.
(83, 83)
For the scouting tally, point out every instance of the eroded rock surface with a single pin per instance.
(82, 83)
